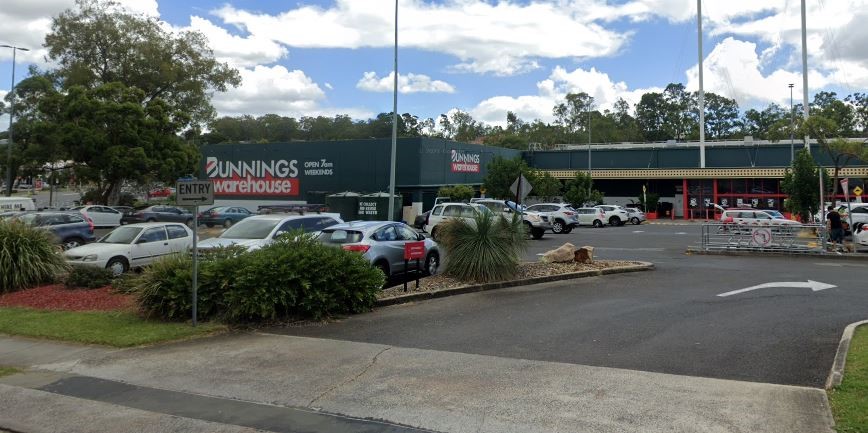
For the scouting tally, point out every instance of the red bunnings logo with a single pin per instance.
(465, 162)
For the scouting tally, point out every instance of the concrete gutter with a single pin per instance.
(837, 373)
(819, 255)
(434, 294)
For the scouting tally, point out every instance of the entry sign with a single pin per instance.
(194, 192)
(414, 250)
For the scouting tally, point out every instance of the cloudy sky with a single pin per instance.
(488, 57)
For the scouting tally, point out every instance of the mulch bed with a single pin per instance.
(525, 271)
(58, 297)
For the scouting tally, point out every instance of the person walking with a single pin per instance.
(836, 228)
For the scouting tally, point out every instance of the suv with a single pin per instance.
(591, 216)
(562, 216)
(537, 223)
(69, 229)
(756, 217)
(614, 215)
(444, 211)
(258, 231)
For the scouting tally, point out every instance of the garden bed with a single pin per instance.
(58, 297)
(526, 271)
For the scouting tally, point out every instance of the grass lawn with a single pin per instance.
(850, 400)
(119, 329)
(6, 371)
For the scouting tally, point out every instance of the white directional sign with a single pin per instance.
(194, 192)
(810, 284)
(521, 189)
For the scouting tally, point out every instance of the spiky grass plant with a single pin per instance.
(487, 249)
(28, 257)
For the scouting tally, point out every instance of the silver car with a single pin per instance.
(636, 216)
(382, 243)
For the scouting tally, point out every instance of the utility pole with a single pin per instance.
(701, 89)
(805, 106)
(792, 126)
(11, 118)
(393, 160)
(590, 180)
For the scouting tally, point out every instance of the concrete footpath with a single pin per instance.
(284, 383)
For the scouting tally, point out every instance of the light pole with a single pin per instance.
(392, 161)
(11, 116)
(590, 179)
(792, 125)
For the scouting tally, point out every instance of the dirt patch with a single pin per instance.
(58, 297)
(525, 271)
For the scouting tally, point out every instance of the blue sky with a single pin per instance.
(487, 57)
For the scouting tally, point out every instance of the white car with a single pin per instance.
(615, 215)
(133, 246)
(591, 216)
(258, 231)
(860, 236)
(102, 216)
(562, 216)
(636, 216)
(446, 211)
(537, 223)
(767, 217)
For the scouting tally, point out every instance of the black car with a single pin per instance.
(70, 229)
(159, 213)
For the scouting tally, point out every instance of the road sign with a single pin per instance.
(522, 189)
(194, 192)
(845, 184)
(810, 284)
(857, 191)
(414, 250)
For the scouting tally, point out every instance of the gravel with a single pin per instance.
(525, 271)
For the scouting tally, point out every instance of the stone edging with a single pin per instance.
(412, 297)
(837, 372)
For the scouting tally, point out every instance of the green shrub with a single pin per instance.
(488, 250)
(28, 257)
(457, 192)
(295, 276)
(87, 277)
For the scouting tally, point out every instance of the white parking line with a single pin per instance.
(638, 231)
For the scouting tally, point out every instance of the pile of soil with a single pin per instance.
(58, 297)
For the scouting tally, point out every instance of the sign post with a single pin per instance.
(191, 192)
(413, 251)
(845, 185)
(645, 199)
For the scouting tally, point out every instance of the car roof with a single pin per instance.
(361, 225)
(154, 224)
(284, 217)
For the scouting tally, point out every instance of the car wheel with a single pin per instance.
(537, 233)
(558, 227)
(568, 229)
(615, 221)
(384, 268)
(432, 263)
(151, 220)
(71, 243)
(598, 223)
(227, 223)
(635, 221)
(117, 265)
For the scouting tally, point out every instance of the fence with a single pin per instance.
(791, 238)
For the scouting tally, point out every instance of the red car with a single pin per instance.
(161, 192)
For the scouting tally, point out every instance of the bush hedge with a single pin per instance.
(87, 277)
(294, 277)
(28, 257)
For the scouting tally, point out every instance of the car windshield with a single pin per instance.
(250, 229)
(219, 209)
(776, 215)
(339, 236)
(121, 235)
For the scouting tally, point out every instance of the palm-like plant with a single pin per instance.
(28, 257)
(488, 249)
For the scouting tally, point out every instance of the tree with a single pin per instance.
(501, 173)
(545, 185)
(572, 113)
(859, 102)
(579, 190)
(801, 183)
(760, 124)
(841, 151)
(827, 104)
(651, 117)
(721, 116)
(678, 114)
(97, 43)
(457, 192)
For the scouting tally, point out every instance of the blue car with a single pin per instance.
(69, 229)
(223, 215)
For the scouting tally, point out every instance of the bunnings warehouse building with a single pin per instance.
(737, 173)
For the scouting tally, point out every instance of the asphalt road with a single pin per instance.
(669, 320)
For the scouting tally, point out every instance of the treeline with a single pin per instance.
(659, 116)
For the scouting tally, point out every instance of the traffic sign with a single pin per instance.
(194, 192)
(845, 184)
(857, 191)
(521, 187)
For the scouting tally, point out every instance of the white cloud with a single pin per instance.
(274, 89)
(409, 83)
(236, 50)
(553, 90)
(501, 38)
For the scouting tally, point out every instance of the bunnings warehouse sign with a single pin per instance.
(465, 162)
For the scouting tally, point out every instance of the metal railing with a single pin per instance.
(790, 238)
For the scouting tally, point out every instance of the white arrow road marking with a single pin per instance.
(810, 284)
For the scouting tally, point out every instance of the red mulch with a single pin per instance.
(58, 297)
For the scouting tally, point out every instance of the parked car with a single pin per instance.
(591, 216)
(161, 192)
(536, 222)
(382, 243)
(636, 216)
(562, 216)
(614, 215)
(10, 204)
(260, 230)
(223, 215)
(860, 234)
(69, 229)
(419, 221)
(756, 217)
(102, 216)
(446, 211)
(170, 214)
(124, 209)
(133, 246)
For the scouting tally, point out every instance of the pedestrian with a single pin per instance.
(836, 228)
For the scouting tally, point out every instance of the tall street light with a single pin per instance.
(392, 162)
(590, 187)
(792, 125)
(11, 116)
